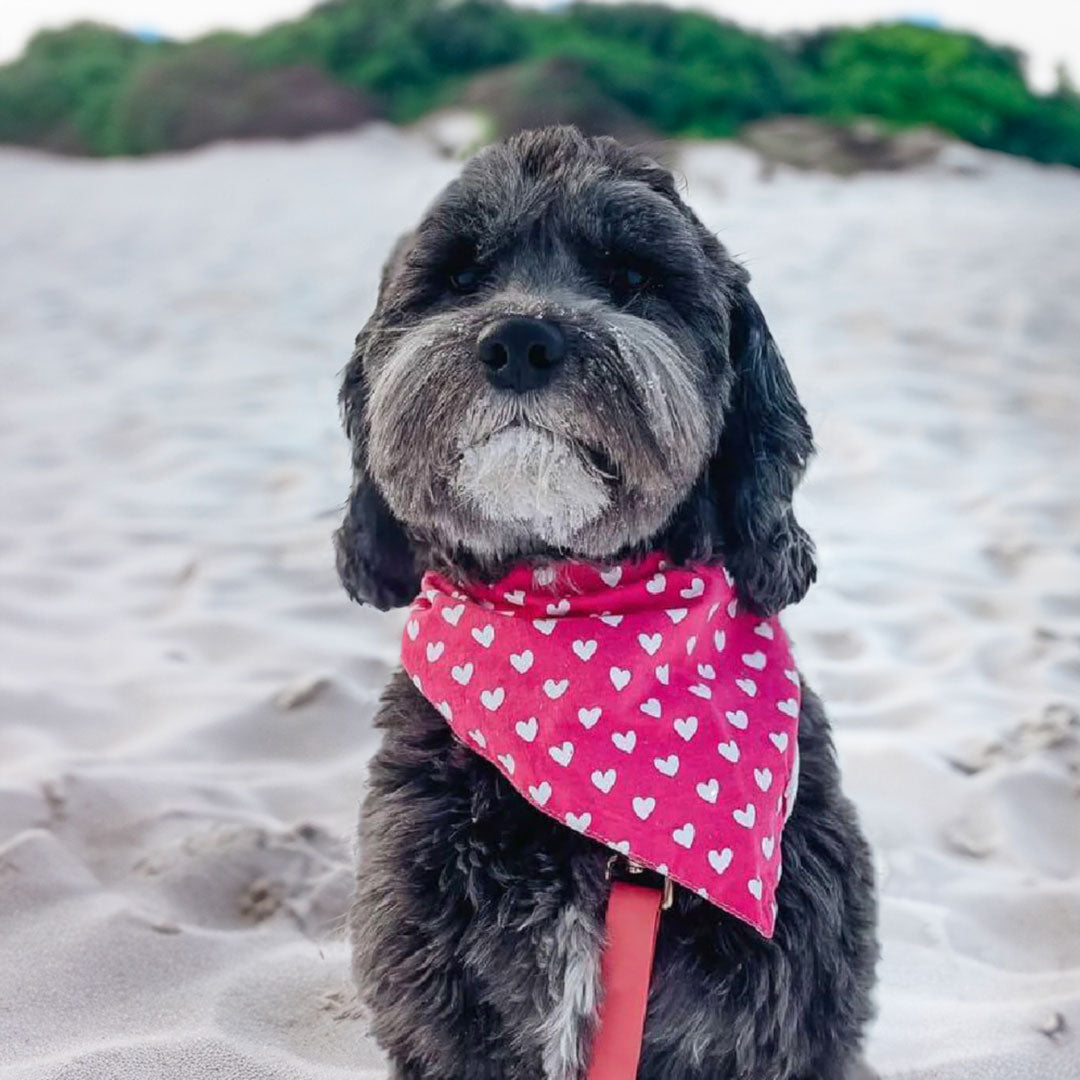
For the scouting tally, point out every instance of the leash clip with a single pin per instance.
(623, 868)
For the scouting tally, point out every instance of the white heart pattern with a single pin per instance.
(462, 673)
(779, 740)
(650, 642)
(540, 793)
(755, 660)
(624, 740)
(701, 690)
(663, 674)
(745, 816)
(584, 650)
(764, 630)
(763, 778)
(588, 717)
(747, 686)
(412, 628)
(453, 614)
(605, 780)
(545, 626)
(434, 650)
(527, 729)
(686, 727)
(656, 584)
(643, 807)
(737, 718)
(563, 754)
(620, 678)
(555, 689)
(694, 590)
(515, 597)
(561, 607)
(754, 885)
(729, 750)
(492, 699)
(612, 576)
(579, 822)
(684, 836)
(521, 662)
(484, 635)
(651, 707)
(709, 791)
(507, 762)
(669, 766)
(790, 707)
(721, 860)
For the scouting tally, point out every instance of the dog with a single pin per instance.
(564, 364)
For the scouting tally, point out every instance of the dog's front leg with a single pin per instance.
(477, 924)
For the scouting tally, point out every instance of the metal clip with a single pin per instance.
(633, 868)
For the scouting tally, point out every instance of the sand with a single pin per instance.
(186, 695)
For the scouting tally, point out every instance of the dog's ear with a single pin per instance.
(376, 560)
(762, 454)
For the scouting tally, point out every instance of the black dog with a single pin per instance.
(565, 363)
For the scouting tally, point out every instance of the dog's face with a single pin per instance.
(563, 361)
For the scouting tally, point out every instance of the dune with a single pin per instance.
(186, 694)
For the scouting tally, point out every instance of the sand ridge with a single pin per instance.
(186, 694)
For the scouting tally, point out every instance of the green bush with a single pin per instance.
(58, 94)
(210, 91)
(94, 90)
(683, 72)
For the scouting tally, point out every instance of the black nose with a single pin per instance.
(521, 353)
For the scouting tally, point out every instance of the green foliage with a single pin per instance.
(211, 90)
(910, 75)
(411, 53)
(913, 74)
(59, 92)
(95, 90)
(683, 72)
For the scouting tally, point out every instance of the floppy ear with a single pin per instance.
(376, 560)
(763, 451)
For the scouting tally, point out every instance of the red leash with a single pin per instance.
(633, 919)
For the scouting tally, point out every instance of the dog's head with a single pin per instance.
(564, 362)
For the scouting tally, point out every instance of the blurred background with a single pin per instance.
(195, 202)
(124, 77)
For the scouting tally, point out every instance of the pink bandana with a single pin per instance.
(634, 703)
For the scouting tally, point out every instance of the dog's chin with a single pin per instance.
(533, 484)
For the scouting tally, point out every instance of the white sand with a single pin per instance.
(186, 695)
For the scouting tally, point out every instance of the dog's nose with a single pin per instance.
(521, 353)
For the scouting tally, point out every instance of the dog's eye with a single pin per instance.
(465, 279)
(628, 279)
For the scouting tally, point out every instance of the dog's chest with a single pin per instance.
(573, 979)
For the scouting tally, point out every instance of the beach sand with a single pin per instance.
(186, 694)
